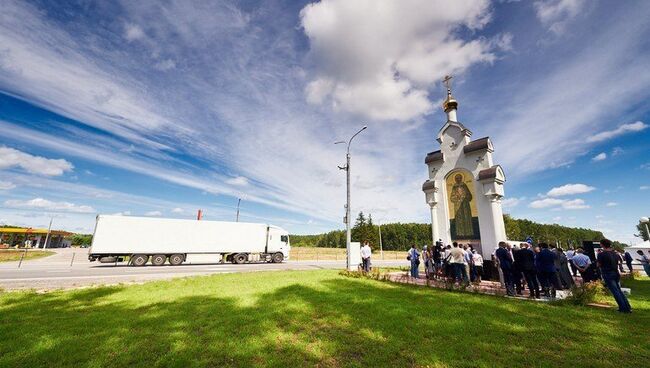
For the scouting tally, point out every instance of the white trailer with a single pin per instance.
(160, 240)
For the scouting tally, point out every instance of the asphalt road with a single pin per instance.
(62, 271)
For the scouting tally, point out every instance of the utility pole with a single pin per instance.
(381, 247)
(238, 202)
(49, 230)
(348, 235)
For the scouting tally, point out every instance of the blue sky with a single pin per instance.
(162, 108)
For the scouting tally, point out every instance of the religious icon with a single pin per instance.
(462, 206)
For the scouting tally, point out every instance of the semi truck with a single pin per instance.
(175, 241)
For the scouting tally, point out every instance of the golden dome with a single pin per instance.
(450, 103)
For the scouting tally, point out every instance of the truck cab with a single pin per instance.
(278, 241)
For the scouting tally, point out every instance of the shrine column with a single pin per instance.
(431, 196)
(435, 234)
(497, 216)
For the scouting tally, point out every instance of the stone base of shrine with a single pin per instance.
(483, 287)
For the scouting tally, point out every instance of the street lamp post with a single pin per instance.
(381, 247)
(348, 236)
(644, 220)
(238, 202)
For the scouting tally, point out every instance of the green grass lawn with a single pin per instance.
(8, 255)
(312, 318)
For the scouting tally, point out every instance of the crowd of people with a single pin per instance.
(459, 262)
(541, 269)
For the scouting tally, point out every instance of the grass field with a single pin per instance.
(8, 255)
(312, 318)
(332, 254)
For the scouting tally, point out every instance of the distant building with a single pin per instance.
(19, 237)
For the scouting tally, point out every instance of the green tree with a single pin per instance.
(643, 231)
(82, 239)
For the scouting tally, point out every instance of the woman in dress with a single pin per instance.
(565, 274)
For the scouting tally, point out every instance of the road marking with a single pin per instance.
(93, 277)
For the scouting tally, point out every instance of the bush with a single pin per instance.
(585, 294)
(634, 275)
(374, 274)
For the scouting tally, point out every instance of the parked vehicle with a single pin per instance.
(159, 240)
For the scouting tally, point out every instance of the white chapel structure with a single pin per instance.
(465, 187)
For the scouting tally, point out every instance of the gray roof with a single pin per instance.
(433, 156)
(428, 185)
(477, 145)
(494, 172)
(490, 173)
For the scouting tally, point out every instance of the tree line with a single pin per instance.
(400, 236)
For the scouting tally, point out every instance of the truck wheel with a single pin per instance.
(176, 259)
(240, 258)
(139, 260)
(158, 259)
(277, 258)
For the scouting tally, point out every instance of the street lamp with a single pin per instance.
(381, 247)
(348, 237)
(644, 220)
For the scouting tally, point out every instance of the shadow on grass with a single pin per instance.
(341, 322)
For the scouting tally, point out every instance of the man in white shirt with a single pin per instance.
(365, 256)
(569, 256)
(457, 261)
(583, 263)
(478, 265)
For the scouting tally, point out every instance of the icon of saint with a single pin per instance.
(461, 198)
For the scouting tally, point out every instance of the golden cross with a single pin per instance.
(447, 82)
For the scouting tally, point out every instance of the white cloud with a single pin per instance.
(623, 129)
(264, 102)
(512, 202)
(376, 59)
(574, 204)
(123, 213)
(133, 32)
(238, 181)
(581, 76)
(44, 204)
(6, 185)
(611, 204)
(644, 187)
(569, 189)
(546, 203)
(555, 203)
(43, 64)
(165, 65)
(557, 13)
(599, 157)
(153, 213)
(178, 210)
(617, 151)
(10, 157)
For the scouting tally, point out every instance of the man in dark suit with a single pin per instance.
(516, 270)
(545, 265)
(505, 262)
(525, 261)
